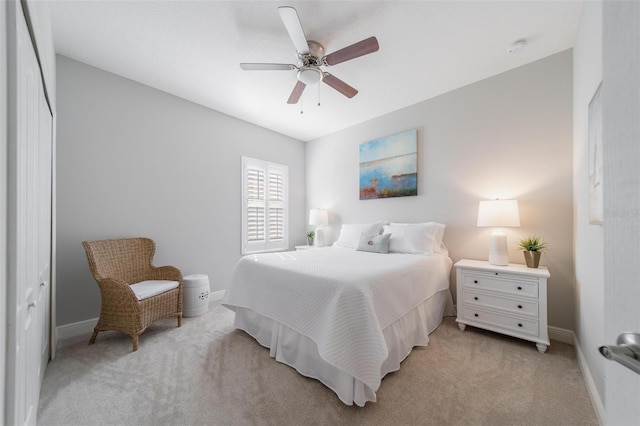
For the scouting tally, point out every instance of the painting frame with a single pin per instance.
(388, 166)
(595, 141)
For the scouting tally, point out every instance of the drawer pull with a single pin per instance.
(496, 273)
(475, 298)
(519, 288)
(519, 324)
(475, 281)
(476, 315)
(519, 306)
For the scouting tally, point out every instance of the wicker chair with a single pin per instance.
(117, 264)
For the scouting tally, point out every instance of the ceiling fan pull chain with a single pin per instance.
(318, 95)
(301, 105)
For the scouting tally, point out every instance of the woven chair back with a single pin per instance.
(127, 259)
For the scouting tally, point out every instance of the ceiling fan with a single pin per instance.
(311, 58)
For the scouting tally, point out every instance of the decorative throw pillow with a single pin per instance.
(374, 243)
(350, 233)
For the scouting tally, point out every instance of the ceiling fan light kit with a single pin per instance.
(309, 75)
(311, 58)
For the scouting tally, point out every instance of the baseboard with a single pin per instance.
(86, 327)
(561, 334)
(76, 329)
(596, 401)
(216, 296)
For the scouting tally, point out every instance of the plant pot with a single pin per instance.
(310, 240)
(532, 258)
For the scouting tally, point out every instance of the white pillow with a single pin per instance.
(350, 233)
(437, 230)
(409, 238)
(416, 238)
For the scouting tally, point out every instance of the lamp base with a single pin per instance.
(319, 240)
(498, 251)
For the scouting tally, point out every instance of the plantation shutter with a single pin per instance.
(264, 206)
(255, 205)
(276, 206)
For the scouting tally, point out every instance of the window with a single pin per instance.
(264, 206)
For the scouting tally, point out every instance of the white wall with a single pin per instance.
(509, 136)
(588, 239)
(135, 161)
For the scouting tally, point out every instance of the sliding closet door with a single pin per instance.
(29, 230)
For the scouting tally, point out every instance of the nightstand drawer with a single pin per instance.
(524, 307)
(519, 325)
(504, 284)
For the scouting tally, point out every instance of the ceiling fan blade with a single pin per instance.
(263, 67)
(296, 93)
(292, 23)
(361, 48)
(339, 85)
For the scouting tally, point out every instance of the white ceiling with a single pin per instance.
(192, 49)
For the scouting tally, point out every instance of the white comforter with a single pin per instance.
(340, 298)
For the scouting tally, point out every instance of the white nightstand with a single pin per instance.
(511, 299)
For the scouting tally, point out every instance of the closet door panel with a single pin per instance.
(29, 231)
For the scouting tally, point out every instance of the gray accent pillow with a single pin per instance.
(374, 243)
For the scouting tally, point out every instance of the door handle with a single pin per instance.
(626, 352)
(32, 304)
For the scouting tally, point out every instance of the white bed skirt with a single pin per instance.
(300, 352)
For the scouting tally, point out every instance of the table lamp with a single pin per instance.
(498, 213)
(319, 218)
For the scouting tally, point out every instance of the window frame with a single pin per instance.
(268, 204)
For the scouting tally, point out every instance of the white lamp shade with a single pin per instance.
(318, 217)
(499, 213)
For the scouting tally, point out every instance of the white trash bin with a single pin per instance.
(195, 295)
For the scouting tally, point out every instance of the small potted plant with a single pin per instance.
(310, 236)
(533, 247)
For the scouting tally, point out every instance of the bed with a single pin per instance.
(346, 315)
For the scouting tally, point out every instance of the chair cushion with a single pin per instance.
(146, 289)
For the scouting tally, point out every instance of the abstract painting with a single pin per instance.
(389, 166)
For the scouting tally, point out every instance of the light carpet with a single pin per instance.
(208, 373)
